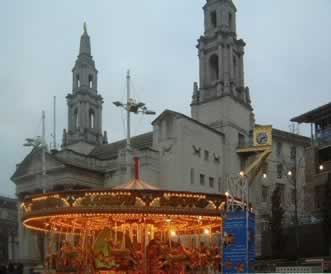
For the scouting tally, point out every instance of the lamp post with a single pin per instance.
(292, 174)
(40, 142)
(131, 106)
(246, 190)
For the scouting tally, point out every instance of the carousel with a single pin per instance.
(135, 228)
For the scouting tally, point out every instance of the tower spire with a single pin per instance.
(85, 45)
(85, 29)
(84, 103)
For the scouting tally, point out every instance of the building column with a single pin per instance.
(221, 63)
(226, 63)
(202, 69)
(241, 70)
(10, 246)
(100, 120)
(87, 115)
(231, 68)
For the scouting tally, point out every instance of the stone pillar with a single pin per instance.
(221, 62)
(70, 114)
(202, 69)
(100, 119)
(10, 246)
(28, 249)
(231, 68)
(226, 55)
(95, 82)
(241, 70)
(86, 115)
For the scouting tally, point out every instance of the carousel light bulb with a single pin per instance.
(289, 173)
(227, 194)
(173, 233)
(168, 220)
(321, 167)
(242, 173)
(264, 175)
(206, 231)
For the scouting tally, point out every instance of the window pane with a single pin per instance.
(202, 179)
(211, 182)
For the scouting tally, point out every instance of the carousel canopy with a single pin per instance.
(134, 202)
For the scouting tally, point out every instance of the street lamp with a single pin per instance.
(294, 180)
(131, 106)
(40, 142)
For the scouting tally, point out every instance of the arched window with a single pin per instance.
(214, 67)
(230, 21)
(78, 81)
(213, 19)
(91, 118)
(90, 81)
(76, 121)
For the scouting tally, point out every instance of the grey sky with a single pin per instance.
(286, 64)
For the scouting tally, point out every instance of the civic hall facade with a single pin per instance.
(190, 153)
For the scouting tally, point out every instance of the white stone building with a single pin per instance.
(197, 153)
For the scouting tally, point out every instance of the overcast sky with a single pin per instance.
(287, 61)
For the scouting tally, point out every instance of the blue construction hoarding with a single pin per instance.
(235, 242)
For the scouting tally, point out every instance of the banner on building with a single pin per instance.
(235, 249)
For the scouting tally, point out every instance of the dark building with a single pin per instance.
(317, 190)
(8, 230)
(318, 158)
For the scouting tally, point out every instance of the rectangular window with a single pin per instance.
(211, 182)
(202, 179)
(293, 153)
(206, 155)
(219, 184)
(282, 192)
(278, 149)
(279, 171)
(265, 190)
(192, 176)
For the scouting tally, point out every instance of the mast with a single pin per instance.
(128, 126)
(54, 122)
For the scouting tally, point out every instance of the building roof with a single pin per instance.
(7, 202)
(291, 137)
(181, 115)
(110, 151)
(314, 115)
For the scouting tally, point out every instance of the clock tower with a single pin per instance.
(221, 100)
(84, 103)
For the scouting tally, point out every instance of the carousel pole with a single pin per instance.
(145, 250)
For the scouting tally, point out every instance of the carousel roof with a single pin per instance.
(77, 210)
(136, 184)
